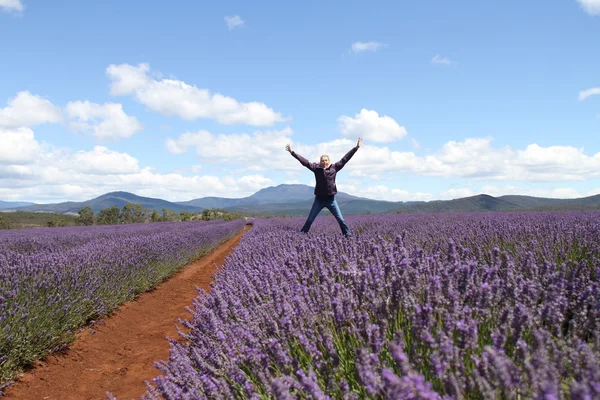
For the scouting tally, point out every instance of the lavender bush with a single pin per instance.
(53, 281)
(442, 306)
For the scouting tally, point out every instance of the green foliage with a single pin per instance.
(217, 213)
(133, 213)
(109, 216)
(56, 223)
(155, 217)
(28, 219)
(169, 215)
(185, 216)
(86, 217)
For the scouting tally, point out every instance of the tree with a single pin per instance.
(109, 216)
(155, 217)
(169, 215)
(54, 223)
(86, 217)
(133, 213)
(4, 223)
(206, 214)
(185, 216)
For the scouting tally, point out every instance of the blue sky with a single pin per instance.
(192, 99)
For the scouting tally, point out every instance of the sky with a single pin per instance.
(189, 99)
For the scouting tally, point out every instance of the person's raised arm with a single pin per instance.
(302, 160)
(340, 164)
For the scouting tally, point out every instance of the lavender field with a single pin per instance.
(56, 280)
(440, 306)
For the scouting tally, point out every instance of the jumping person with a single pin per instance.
(325, 188)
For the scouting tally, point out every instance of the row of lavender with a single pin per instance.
(53, 281)
(446, 306)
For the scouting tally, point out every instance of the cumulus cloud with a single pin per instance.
(260, 148)
(11, 5)
(359, 47)
(102, 120)
(102, 161)
(477, 159)
(26, 109)
(176, 98)
(584, 94)
(19, 147)
(592, 7)
(45, 173)
(233, 21)
(441, 60)
(127, 79)
(39, 171)
(371, 126)
(383, 192)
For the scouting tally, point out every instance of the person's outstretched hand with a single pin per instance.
(359, 142)
(288, 148)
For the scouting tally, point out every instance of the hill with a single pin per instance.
(11, 205)
(281, 194)
(108, 200)
(297, 199)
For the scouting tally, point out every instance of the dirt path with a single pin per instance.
(118, 355)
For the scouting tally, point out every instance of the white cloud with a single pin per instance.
(441, 60)
(26, 109)
(54, 185)
(176, 98)
(51, 174)
(456, 193)
(477, 159)
(264, 148)
(38, 171)
(102, 161)
(102, 120)
(19, 147)
(584, 94)
(382, 192)
(11, 5)
(233, 21)
(127, 79)
(359, 47)
(371, 126)
(592, 7)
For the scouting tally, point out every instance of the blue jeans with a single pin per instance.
(332, 205)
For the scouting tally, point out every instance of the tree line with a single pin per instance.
(130, 213)
(134, 213)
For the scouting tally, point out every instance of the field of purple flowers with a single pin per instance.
(442, 306)
(55, 280)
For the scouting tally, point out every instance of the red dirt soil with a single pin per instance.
(118, 355)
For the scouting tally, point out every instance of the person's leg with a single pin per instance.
(314, 211)
(334, 208)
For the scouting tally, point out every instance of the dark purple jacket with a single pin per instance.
(325, 177)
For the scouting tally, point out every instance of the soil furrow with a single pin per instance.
(117, 355)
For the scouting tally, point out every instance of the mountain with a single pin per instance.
(108, 200)
(296, 200)
(9, 205)
(485, 202)
(528, 202)
(281, 194)
(482, 202)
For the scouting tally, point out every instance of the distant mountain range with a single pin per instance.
(12, 204)
(296, 200)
